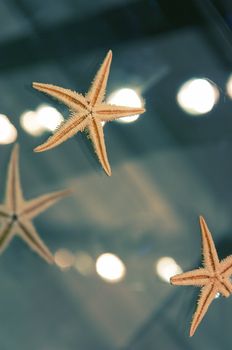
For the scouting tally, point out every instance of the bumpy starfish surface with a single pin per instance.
(214, 277)
(16, 213)
(86, 113)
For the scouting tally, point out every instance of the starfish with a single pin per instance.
(87, 113)
(16, 213)
(213, 278)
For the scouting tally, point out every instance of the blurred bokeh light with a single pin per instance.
(8, 132)
(126, 97)
(64, 259)
(44, 118)
(197, 96)
(110, 267)
(166, 267)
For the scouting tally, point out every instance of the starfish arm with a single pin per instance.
(97, 137)
(76, 102)
(107, 112)
(225, 288)
(4, 213)
(13, 197)
(6, 234)
(226, 266)
(29, 234)
(198, 277)
(35, 206)
(97, 90)
(65, 131)
(210, 256)
(207, 295)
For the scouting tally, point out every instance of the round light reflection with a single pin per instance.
(49, 117)
(64, 258)
(110, 267)
(44, 118)
(30, 123)
(229, 86)
(126, 97)
(8, 132)
(197, 96)
(166, 267)
(84, 263)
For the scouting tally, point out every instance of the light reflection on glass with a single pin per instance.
(84, 263)
(8, 132)
(110, 267)
(229, 86)
(49, 117)
(64, 259)
(44, 118)
(166, 267)
(126, 97)
(30, 123)
(197, 96)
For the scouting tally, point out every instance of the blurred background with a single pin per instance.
(118, 240)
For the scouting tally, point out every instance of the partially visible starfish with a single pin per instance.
(213, 278)
(16, 213)
(86, 113)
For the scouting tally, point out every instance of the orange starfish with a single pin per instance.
(213, 278)
(86, 113)
(16, 213)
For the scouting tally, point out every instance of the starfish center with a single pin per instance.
(91, 111)
(218, 278)
(14, 217)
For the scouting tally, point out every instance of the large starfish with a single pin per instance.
(214, 277)
(86, 113)
(16, 213)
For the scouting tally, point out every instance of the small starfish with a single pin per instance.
(16, 213)
(213, 278)
(86, 113)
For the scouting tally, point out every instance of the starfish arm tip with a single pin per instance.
(142, 110)
(35, 85)
(201, 218)
(68, 192)
(72, 190)
(108, 172)
(37, 149)
(191, 333)
(51, 261)
(41, 148)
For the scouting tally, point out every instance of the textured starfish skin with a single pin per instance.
(16, 213)
(86, 113)
(214, 277)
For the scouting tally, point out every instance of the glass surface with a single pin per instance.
(169, 166)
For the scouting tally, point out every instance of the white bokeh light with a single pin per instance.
(84, 263)
(197, 96)
(49, 117)
(126, 97)
(110, 267)
(64, 259)
(8, 132)
(44, 118)
(229, 86)
(166, 267)
(30, 123)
